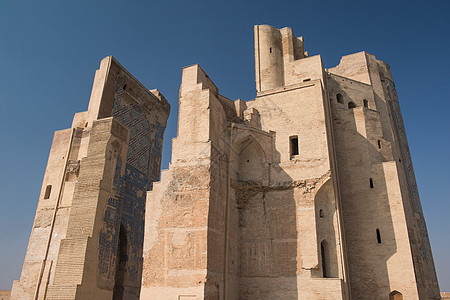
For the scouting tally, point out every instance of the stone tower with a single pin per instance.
(87, 236)
(306, 192)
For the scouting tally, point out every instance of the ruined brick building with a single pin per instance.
(305, 192)
(87, 236)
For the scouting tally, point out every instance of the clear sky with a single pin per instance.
(49, 51)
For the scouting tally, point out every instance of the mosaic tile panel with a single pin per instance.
(128, 206)
(109, 234)
(133, 116)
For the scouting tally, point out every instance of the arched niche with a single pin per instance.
(249, 160)
(327, 232)
(121, 264)
(325, 258)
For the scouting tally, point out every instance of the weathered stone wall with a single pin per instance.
(5, 295)
(305, 192)
(87, 237)
(297, 194)
(372, 185)
(259, 203)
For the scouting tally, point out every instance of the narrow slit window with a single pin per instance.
(366, 103)
(378, 236)
(379, 144)
(294, 145)
(371, 183)
(270, 49)
(48, 190)
(324, 254)
(321, 215)
(307, 79)
(340, 98)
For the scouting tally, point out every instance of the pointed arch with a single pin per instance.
(121, 261)
(325, 255)
(351, 104)
(395, 295)
(250, 161)
(366, 103)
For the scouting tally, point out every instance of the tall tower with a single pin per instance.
(305, 192)
(87, 236)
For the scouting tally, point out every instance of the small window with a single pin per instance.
(379, 144)
(371, 183)
(351, 104)
(366, 103)
(378, 236)
(124, 87)
(321, 215)
(307, 79)
(48, 190)
(294, 145)
(339, 98)
(270, 49)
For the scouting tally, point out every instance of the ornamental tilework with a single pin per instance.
(132, 116)
(109, 234)
(128, 205)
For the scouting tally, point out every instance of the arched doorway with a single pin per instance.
(121, 261)
(325, 259)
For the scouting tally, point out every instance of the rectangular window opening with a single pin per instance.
(371, 183)
(48, 190)
(294, 145)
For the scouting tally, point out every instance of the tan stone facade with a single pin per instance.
(87, 237)
(306, 192)
(5, 295)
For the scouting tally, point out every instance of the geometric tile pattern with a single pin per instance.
(141, 130)
(127, 207)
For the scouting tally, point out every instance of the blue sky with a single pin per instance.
(49, 51)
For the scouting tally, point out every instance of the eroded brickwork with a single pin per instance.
(305, 192)
(302, 193)
(87, 238)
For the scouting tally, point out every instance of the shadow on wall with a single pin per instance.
(264, 230)
(326, 220)
(367, 216)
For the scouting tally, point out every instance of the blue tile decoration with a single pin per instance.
(127, 207)
(109, 234)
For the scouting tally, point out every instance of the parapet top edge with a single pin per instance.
(163, 100)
